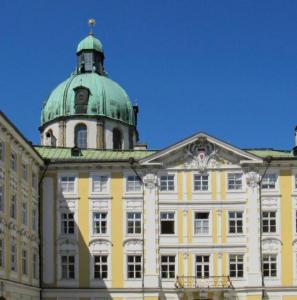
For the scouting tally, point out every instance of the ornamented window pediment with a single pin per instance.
(271, 244)
(133, 244)
(100, 245)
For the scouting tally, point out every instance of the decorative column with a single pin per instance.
(100, 135)
(253, 225)
(151, 221)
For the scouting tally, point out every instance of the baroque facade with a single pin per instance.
(200, 219)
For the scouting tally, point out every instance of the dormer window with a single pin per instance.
(81, 100)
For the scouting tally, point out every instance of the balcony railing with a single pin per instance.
(192, 282)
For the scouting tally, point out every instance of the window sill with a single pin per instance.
(100, 195)
(235, 191)
(168, 235)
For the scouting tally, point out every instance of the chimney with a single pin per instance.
(295, 147)
(140, 147)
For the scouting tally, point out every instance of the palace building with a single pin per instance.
(91, 214)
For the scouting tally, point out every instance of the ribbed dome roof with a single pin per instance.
(90, 43)
(106, 98)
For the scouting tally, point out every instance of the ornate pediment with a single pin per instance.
(200, 152)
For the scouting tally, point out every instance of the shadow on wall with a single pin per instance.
(71, 256)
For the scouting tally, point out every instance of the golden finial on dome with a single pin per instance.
(91, 23)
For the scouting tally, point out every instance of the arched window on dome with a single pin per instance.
(117, 139)
(81, 136)
(81, 99)
(50, 139)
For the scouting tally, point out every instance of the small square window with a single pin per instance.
(234, 181)
(201, 182)
(133, 184)
(269, 182)
(167, 183)
(201, 223)
(167, 223)
(99, 183)
(68, 184)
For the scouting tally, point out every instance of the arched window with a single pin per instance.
(50, 139)
(117, 139)
(81, 136)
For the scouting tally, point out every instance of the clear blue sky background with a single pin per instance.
(225, 67)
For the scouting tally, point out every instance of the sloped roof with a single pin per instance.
(271, 152)
(64, 154)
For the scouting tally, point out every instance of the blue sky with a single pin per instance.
(225, 67)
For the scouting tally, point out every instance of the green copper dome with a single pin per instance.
(88, 92)
(106, 98)
(90, 43)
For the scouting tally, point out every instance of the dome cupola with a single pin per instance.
(93, 101)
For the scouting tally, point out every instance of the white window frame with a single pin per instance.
(203, 264)
(269, 221)
(237, 262)
(134, 263)
(24, 213)
(236, 219)
(162, 174)
(101, 190)
(267, 183)
(67, 188)
(196, 234)
(137, 184)
(100, 220)
(269, 261)
(25, 261)
(13, 206)
(133, 220)
(174, 220)
(201, 182)
(68, 264)
(13, 161)
(13, 257)
(236, 189)
(66, 222)
(35, 266)
(100, 264)
(167, 264)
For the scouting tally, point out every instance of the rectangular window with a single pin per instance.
(168, 266)
(295, 181)
(2, 151)
(1, 198)
(13, 257)
(34, 219)
(269, 265)
(236, 266)
(100, 267)
(133, 222)
(68, 184)
(34, 180)
(201, 223)
(200, 182)
(167, 183)
(167, 222)
(2, 253)
(99, 222)
(269, 221)
(24, 213)
(13, 207)
(269, 182)
(35, 264)
(25, 171)
(13, 161)
(235, 222)
(234, 181)
(67, 223)
(133, 184)
(25, 262)
(202, 266)
(134, 266)
(68, 267)
(99, 184)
